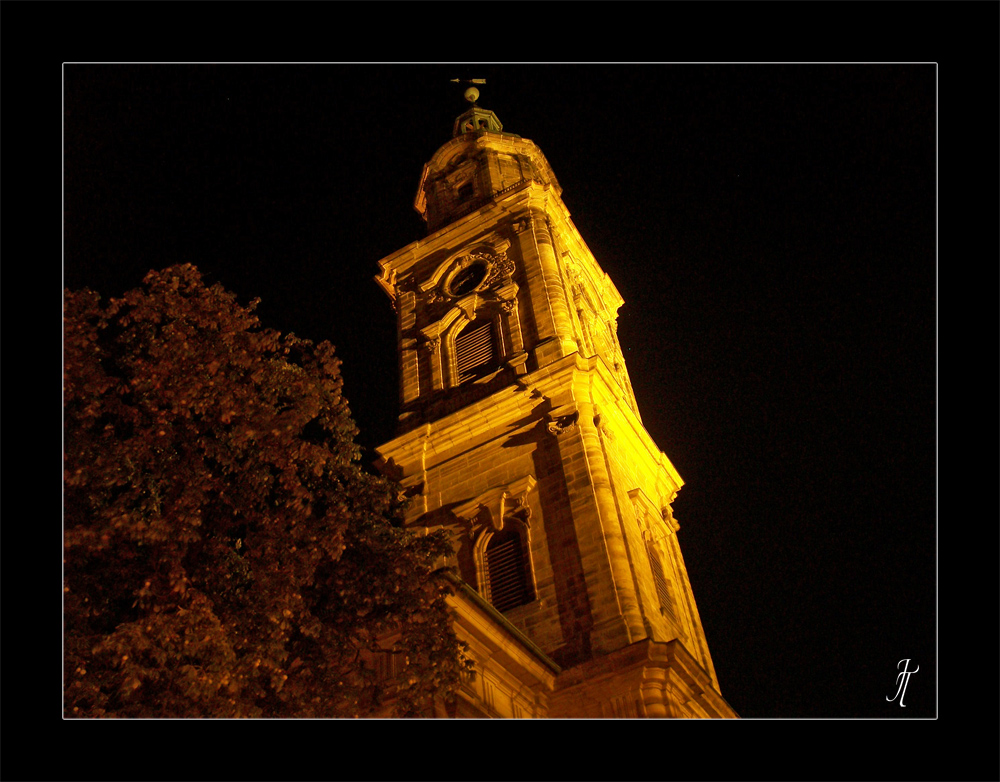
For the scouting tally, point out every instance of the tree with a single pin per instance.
(224, 552)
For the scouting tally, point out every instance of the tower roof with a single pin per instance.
(475, 118)
(479, 162)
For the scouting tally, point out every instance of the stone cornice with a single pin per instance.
(468, 427)
(663, 677)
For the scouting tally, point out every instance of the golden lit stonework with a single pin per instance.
(520, 435)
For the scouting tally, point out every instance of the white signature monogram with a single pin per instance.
(902, 680)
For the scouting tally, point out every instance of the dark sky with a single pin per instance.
(772, 229)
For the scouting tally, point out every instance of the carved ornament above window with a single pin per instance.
(478, 270)
(491, 507)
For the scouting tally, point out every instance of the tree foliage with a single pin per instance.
(224, 553)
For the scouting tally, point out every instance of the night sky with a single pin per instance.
(772, 229)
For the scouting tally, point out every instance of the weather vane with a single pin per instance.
(471, 94)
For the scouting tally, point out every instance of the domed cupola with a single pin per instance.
(476, 118)
(478, 164)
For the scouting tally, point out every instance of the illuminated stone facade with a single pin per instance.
(520, 435)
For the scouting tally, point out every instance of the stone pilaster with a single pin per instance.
(610, 526)
(548, 295)
(409, 366)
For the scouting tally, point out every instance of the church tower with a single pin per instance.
(519, 434)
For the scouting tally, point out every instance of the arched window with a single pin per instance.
(508, 581)
(476, 349)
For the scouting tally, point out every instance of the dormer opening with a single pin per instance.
(465, 192)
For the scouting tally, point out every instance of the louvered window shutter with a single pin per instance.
(474, 349)
(506, 571)
(662, 589)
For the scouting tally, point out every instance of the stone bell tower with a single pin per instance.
(519, 434)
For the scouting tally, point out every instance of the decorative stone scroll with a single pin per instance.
(648, 514)
(490, 508)
(562, 419)
(667, 513)
(501, 268)
(490, 252)
(562, 424)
